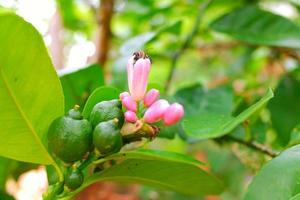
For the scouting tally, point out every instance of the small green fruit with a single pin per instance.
(70, 137)
(106, 110)
(107, 137)
(73, 179)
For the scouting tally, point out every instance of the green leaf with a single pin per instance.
(211, 125)
(197, 100)
(295, 136)
(160, 169)
(74, 15)
(5, 196)
(296, 197)
(285, 108)
(79, 85)
(138, 42)
(6, 167)
(279, 179)
(256, 26)
(31, 96)
(226, 165)
(103, 93)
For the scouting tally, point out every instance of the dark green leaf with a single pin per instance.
(30, 92)
(279, 179)
(211, 125)
(79, 85)
(256, 26)
(6, 167)
(197, 100)
(285, 108)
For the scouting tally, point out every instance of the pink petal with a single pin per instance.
(173, 114)
(129, 103)
(139, 83)
(130, 116)
(156, 111)
(124, 94)
(151, 97)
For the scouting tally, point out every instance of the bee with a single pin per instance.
(140, 54)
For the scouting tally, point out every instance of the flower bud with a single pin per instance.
(138, 68)
(124, 94)
(129, 103)
(173, 114)
(151, 97)
(130, 116)
(156, 111)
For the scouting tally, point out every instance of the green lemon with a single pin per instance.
(70, 137)
(106, 110)
(73, 179)
(107, 137)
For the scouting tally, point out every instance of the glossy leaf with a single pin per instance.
(285, 108)
(78, 85)
(100, 94)
(278, 179)
(164, 170)
(256, 26)
(30, 93)
(211, 125)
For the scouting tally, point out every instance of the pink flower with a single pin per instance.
(138, 68)
(151, 97)
(129, 103)
(173, 114)
(130, 116)
(124, 94)
(156, 111)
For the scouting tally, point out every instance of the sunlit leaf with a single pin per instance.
(31, 96)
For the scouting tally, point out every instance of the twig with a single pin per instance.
(186, 43)
(253, 145)
(104, 16)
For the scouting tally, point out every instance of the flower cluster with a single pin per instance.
(143, 105)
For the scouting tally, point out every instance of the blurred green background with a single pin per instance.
(217, 57)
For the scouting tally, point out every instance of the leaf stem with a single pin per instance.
(253, 145)
(186, 43)
(88, 161)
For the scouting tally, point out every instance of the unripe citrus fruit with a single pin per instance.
(70, 137)
(106, 110)
(107, 138)
(73, 179)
